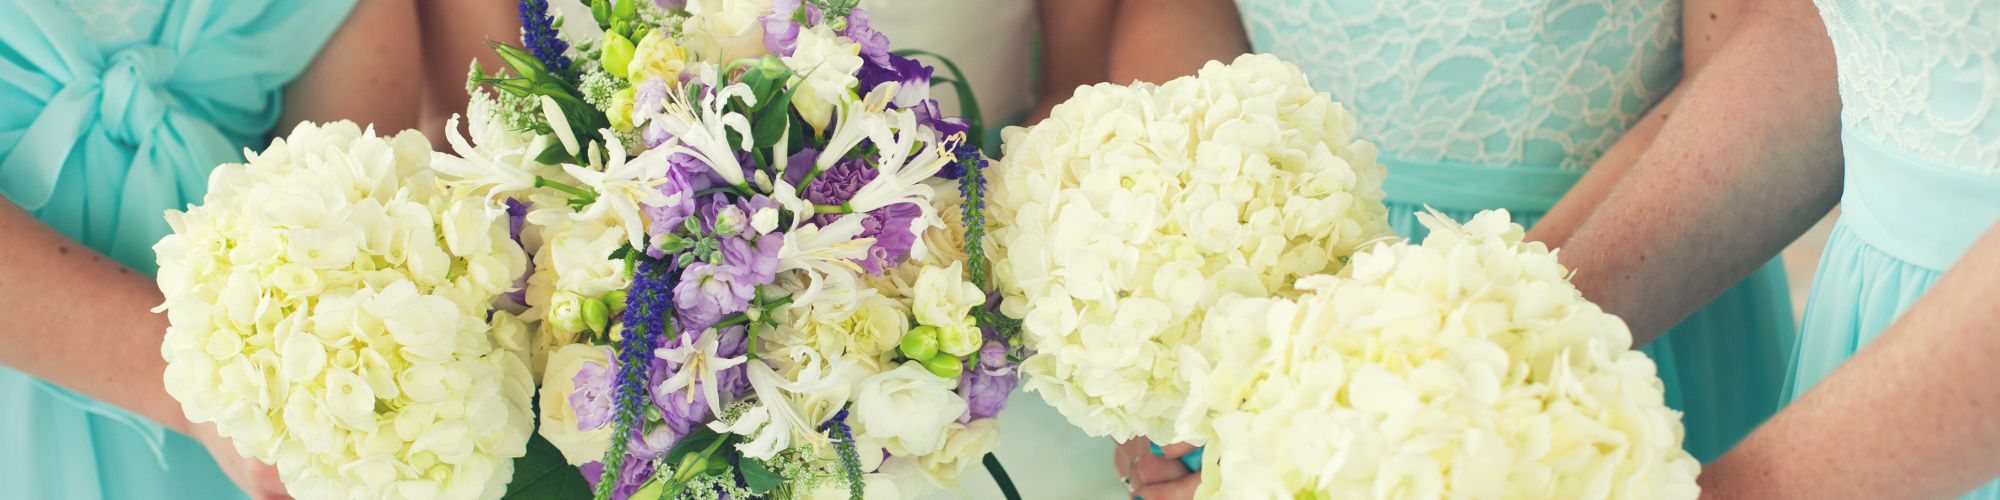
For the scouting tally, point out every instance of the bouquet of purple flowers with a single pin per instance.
(757, 267)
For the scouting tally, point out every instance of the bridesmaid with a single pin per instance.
(111, 112)
(1894, 377)
(1535, 106)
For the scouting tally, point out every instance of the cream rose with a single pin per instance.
(907, 408)
(558, 417)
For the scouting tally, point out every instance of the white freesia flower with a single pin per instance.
(942, 297)
(332, 311)
(497, 163)
(826, 63)
(1128, 213)
(1464, 367)
(726, 30)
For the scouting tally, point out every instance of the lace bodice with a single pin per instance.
(1492, 83)
(1921, 76)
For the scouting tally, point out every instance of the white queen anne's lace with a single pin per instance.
(1512, 82)
(1464, 367)
(1128, 212)
(331, 310)
(1922, 76)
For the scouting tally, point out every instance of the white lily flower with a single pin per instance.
(859, 119)
(480, 173)
(699, 364)
(825, 257)
(622, 186)
(560, 123)
(701, 129)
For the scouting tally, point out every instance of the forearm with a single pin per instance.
(1556, 227)
(454, 33)
(80, 320)
(369, 72)
(1158, 40)
(1910, 416)
(1704, 25)
(1748, 161)
(1076, 48)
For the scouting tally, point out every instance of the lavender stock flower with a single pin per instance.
(989, 382)
(874, 45)
(632, 474)
(594, 395)
(781, 31)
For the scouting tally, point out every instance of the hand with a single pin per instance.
(258, 480)
(1155, 477)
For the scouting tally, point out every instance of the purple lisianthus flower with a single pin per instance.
(517, 217)
(592, 399)
(914, 75)
(874, 45)
(989, 382)
(891, 228)
(632, 475)
(928, 115)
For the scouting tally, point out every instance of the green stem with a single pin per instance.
(581, 194)
(833, 209)
(814, 174)
(1000, 477)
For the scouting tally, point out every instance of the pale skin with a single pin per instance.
(1751, 167)
(372, 70)
(1157, 40)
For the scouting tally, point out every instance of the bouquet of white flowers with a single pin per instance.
(1132, 209)
(1464, 367)
(332, 311)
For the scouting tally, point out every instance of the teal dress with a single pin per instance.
(1920, 130)
(112, 112)
(1480, 105)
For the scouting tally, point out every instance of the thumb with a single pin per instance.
(1177, 489)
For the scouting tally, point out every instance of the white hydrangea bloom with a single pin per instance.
(1131, 210)
(1464, 367)
(331, 307)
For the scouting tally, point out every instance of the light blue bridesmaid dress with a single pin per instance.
(112, 112)
(1479, 105)
(1920, 126)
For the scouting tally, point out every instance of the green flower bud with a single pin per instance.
(961, 339)
(920, 343)
(616, 299)
(596, 315)
(945, 366)
(620, 113)
(617, 54)
(566, 312)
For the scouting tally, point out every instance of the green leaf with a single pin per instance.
(543, 474)
(520, 60)
(695, 442)
(554, 155)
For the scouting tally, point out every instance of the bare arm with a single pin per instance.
(1910, 415)
(1158, 40)
(1704, 26)
(370, 72)
(1076, 49)
(81, 320)
(1749, 160)
(454, 33)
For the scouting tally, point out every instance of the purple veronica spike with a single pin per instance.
(538, 32)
